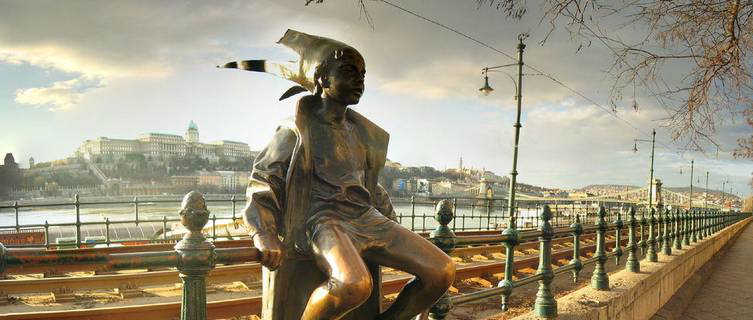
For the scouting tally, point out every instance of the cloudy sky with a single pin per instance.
(76, 70)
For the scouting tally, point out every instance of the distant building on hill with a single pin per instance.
(164, 146)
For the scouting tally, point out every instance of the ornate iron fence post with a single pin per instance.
(699, 225)
(702, 225)
(232, 202)
(719, 220)
(136, 209)
(488, 214)
(77, 204)
(46, 235)
(545, 306)
(659, 237)
(633, 265)
(164, 227)
(577, 264)
(454, 208)
(678, 229)
(600, 280)
(716, 221)
(618, 238)
(694, 226)
(643, 243)
(512, 238)
(667, 239)
(711, 223)
(15, 210)
(444, 239)
(196, 256)
(686, 227)
(107, 231)
(651, 253)
(412, 213)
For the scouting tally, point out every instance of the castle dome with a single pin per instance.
(192, 126)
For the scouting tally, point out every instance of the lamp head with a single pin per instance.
(635, 146)
(486, 89)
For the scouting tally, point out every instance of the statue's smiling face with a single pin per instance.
(343, 81)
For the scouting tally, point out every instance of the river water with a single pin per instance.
(418, 217)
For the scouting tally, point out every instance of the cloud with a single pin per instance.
(61, 95)
(127, 40)
(434, 80)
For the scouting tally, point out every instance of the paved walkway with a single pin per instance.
(728, 292)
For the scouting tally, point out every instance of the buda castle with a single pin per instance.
(165, 146)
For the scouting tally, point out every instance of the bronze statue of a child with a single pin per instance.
(315, 187)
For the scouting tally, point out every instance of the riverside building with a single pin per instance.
(165, 145)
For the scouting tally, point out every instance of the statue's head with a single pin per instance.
(340, 76)
(326, 67)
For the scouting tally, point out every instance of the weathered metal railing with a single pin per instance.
(194, 256)
(665, 230)
(106, 234)
(490, 213)
(471, 214)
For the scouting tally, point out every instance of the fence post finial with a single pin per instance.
(196, 257)
(444, 239)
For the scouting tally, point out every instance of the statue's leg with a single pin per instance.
(409, 252)
(349, 283)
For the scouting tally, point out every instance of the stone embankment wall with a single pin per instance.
(641, 295)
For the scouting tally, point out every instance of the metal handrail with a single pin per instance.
(193, 256)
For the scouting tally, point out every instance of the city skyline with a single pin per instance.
(82, 75)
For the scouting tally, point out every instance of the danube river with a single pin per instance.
(418, 217)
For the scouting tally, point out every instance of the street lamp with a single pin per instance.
(690, 201)
(651, 253)
(706, 192)
(651, 168)
(511, 232)
(486, 90)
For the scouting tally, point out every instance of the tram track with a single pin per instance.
(229, 308)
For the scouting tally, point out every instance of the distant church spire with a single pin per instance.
(460, 165)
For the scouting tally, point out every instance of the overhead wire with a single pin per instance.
(529, 66)
(678, 151)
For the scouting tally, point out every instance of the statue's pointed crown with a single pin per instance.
(312, 51)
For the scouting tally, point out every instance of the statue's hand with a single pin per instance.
(270, 248)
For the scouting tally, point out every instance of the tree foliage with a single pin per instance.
(692, 56)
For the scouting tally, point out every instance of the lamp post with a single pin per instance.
(486, 89)
(651, 253)
(651, 168)
(511, 232)
(723, 183)
(706, 192)
(690, 199)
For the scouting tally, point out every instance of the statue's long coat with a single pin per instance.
(279, 200)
